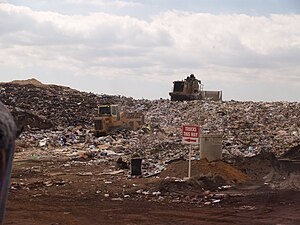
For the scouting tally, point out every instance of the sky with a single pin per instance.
(248, 49)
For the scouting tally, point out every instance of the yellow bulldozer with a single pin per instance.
(110, 119)
(192, 89)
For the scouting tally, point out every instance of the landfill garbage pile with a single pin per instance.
(38, 106)
(247, 127)
(63, 120)
(60, 143)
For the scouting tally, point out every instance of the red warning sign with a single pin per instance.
(190, 134)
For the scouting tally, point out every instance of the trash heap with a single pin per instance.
(57, 117)
(39, 106)
(58, 125)
(247, 127)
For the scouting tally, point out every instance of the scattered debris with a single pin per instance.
(59, 127)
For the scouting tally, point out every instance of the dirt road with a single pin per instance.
(282, 208)
(52, 192)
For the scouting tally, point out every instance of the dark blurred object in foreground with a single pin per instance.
(8, 134)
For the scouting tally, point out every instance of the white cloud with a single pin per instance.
(170, 45)
(102, 3)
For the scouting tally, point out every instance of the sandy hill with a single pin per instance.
(32, 81)
(36, 83)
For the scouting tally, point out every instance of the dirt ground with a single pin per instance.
(57, 192)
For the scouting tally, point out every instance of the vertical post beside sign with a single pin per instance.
(190, 135)
(190, 162)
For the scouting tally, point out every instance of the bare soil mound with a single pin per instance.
(266, 167)
(257, 167)
(291, 182)
(203, 168)
(31, 81)
(192, 185)
(36, 83)
(293, 153)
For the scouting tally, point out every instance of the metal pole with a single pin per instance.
(190, 162)
(199, 124)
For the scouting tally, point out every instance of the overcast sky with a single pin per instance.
(249, 49)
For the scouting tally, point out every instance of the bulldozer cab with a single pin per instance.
(178, 86)
(109, 110)
(110, 119)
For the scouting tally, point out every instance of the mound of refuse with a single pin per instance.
(203, 168)
(248, 127)
(30, 101)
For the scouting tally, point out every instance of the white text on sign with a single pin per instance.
(190, 134)
(191, 129)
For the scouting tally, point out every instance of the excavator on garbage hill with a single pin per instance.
(192, 89)
(110, 119)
